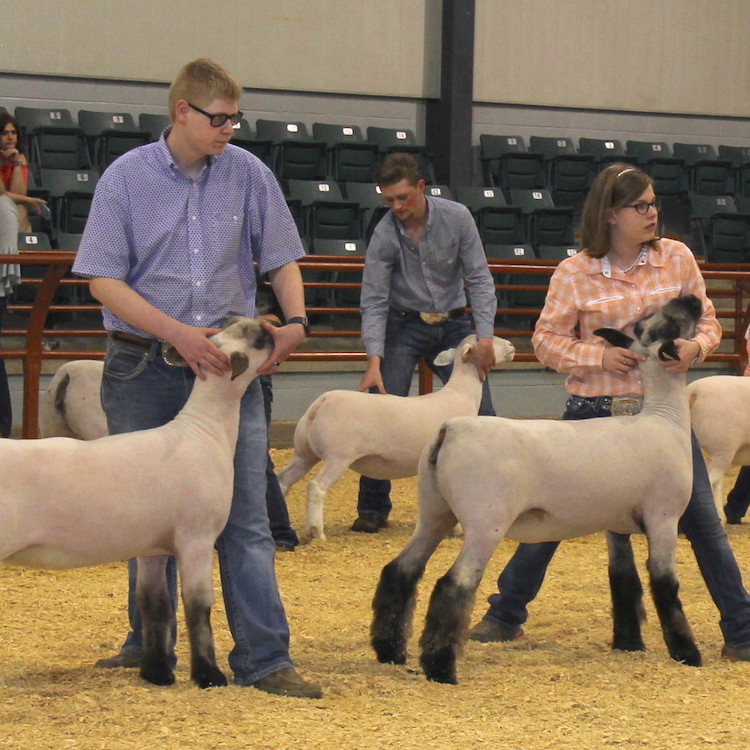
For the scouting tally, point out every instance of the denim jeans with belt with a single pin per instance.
(407, 340)
(524, 573)
(140, 391)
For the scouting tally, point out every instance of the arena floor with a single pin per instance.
(558, 687)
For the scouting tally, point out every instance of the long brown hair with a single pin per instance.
(7, 117)
(614, 187)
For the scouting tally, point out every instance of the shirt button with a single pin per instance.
(197, 283)
(193, 217)
(196, 251)
(199, 317)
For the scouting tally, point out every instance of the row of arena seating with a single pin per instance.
(716, 227)
(532, 194)
(567, 171)
(58, 140)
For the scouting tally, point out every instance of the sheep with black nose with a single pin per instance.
(548, 480)
(70, 503)
(379, 435)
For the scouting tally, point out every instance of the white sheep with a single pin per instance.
(379, 435)
(149, 494)
(548, 480)
(71, 406)
(720, 412)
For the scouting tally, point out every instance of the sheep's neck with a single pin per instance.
(464, 381)
(664, 394)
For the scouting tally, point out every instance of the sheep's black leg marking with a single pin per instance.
(393, 609)
(203, 668)
(158, 615)
(627, 594)
(445, 630)
(677, 633)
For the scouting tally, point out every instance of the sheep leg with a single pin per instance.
(198, 597)
(627, 594)
(451, 603)
(317, 489)
(158, 615)
(664, 589)
(295, 470)
(396, 593)
(716, 470)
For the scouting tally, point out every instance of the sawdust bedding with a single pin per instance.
(558, 687)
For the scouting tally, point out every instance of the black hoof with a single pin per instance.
(209, 677)
(440, 666)
(629, 644)
(157, 675)
(688, 655)
(387, 653)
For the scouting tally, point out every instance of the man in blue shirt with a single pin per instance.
(174, 230)
(422, 254)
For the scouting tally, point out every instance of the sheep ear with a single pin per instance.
(444, 358)
(616, 338)
(239, 363)
(668, 350)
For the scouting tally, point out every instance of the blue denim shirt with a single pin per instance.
(187, 246)
(428, 278)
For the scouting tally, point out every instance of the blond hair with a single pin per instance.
(200, 82)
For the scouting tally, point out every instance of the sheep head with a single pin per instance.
(503, 349)
(675, 320)
(244, 341)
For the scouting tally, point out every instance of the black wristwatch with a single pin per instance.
(302, 321)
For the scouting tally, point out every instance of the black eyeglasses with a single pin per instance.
(642, 207)
(218, 119)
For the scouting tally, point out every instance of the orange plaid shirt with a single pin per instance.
(586, 293)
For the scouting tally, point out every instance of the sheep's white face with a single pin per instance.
(245, 342)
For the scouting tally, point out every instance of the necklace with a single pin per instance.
(641, 254)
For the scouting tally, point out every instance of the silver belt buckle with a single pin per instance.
(171, 356)
(434, 318)
(626, 406)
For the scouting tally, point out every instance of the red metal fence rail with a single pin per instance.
(728, 286)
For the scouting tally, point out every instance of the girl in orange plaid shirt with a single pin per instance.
(623, 273)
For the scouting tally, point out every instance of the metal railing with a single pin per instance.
(728, 283)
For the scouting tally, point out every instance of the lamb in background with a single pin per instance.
(147, 494)
(379, 435)
(720, 412)
(548, 480)
(71, 407)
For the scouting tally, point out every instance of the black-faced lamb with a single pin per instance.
(720, 413)
(548, 480)
(167, 491)
(377, 435)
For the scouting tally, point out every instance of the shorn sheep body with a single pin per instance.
(379, 435)
(720, 413)
(166, 491)
(71, 407)
(548, 480)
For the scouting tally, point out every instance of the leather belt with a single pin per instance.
(142, 343)
(431, 318)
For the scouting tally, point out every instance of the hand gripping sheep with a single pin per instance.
(548, 480)
(720, 412)
(167, 491)
(379, 435)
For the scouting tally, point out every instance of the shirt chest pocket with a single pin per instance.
(226, 230)
(442, 251)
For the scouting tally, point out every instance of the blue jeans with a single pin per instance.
(407, 340)
(738, 498)
(278, 513)
(140, 391)
(522, 577)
